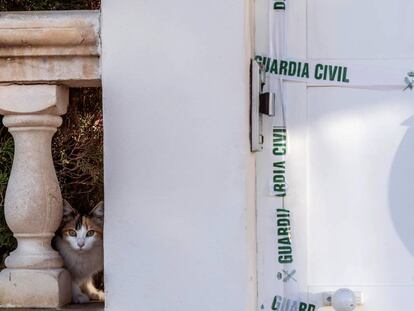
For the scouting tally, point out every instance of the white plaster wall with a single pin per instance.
(179, 177)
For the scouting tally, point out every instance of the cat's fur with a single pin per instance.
(82, 252)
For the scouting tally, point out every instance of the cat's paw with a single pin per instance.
(80, 298)
(97, 295)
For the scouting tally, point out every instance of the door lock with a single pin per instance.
(260, 104)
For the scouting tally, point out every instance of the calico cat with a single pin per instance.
(79, 241)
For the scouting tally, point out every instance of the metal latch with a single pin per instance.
(261, 104)
(267, 104)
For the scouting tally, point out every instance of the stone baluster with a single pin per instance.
(33, 205)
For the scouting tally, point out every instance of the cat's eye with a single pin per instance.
(90, 233)
(72, 232)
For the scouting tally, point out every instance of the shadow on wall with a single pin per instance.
(401, 193)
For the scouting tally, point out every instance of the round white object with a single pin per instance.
(344, 300)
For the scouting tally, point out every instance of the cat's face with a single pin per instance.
(82, 232)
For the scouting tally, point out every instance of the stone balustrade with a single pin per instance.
(41, 55)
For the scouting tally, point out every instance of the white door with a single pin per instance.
(351, 155)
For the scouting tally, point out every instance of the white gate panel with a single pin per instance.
(360, 151)
(350, 164)
(360, 29)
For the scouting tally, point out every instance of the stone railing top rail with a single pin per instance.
(50, 47)
(49, 33)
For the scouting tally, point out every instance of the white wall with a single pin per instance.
(179, 231)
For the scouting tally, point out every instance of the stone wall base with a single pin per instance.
(34, 288)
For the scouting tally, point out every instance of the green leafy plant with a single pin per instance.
(78, 149)
(39, 5)
(7, 241)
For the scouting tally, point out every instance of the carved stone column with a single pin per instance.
(33, 205)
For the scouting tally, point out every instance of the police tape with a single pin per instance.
(279, 276)
(345, 73)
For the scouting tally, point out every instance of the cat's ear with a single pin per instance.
(98, 211)
(68, 210)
